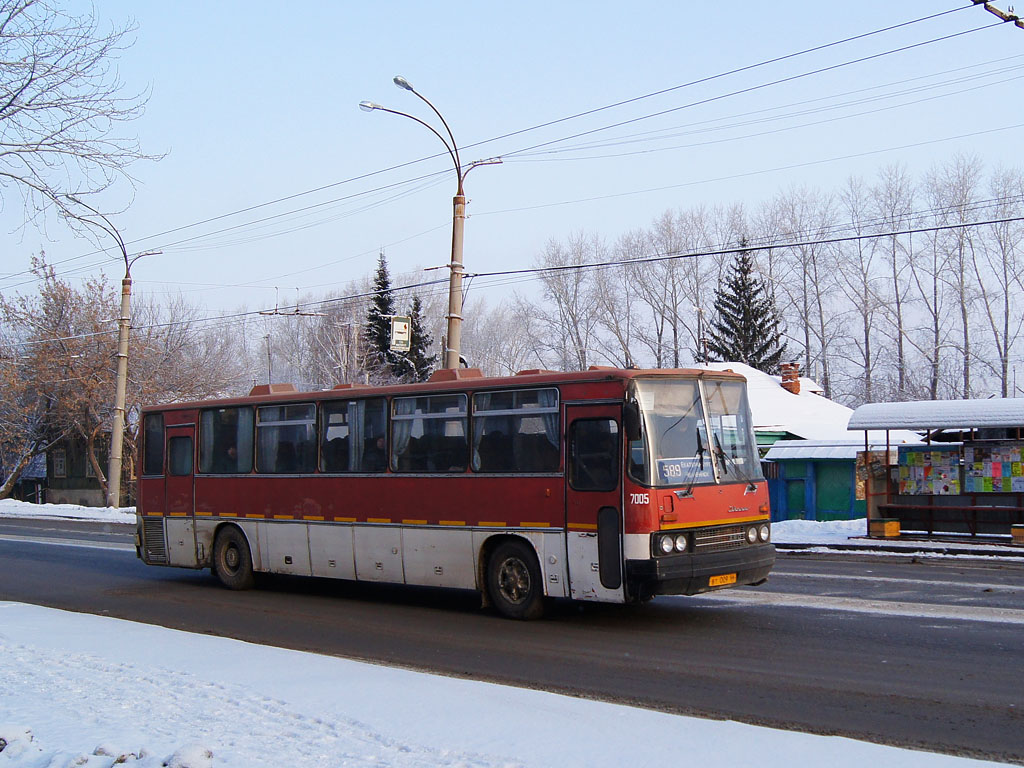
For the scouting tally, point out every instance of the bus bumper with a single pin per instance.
(693, 573)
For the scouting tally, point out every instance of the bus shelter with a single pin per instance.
(966, 479)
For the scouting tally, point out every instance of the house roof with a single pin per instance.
(806, 415)
(938, 414)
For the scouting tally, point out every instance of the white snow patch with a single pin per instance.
(814, 532)
(13, 508)
(81, 690)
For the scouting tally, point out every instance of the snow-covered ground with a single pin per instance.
(83, 690)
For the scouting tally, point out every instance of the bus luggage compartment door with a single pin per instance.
(593, 508)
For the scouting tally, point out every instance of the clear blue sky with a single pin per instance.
(257, 101)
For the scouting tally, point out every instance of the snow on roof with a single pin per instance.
(807, 415)
(937, 414)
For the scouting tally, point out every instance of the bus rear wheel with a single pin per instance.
(514, 581)
(232, 561)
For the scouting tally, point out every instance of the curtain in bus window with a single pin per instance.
(429, 434)
(368, 421)
(548, 398)
(401, 431)
(515, 431)
(286, 439)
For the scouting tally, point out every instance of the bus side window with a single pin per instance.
(594, 455)
(153, 445)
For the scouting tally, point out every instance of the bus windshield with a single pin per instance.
(681, 443)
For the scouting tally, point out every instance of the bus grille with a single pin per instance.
(720, 539)
(154, 546)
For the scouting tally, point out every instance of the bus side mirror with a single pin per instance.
(631, 420)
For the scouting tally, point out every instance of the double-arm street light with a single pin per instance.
(123, 324)
(454, 331)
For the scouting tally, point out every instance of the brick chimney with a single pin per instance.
(791, 377)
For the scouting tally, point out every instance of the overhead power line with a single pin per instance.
(541, 271)
(558, 121)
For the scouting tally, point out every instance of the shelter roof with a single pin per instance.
(938, 414)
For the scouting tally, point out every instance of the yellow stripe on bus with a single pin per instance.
(312, 517)
(493, 525)
(204, 514)
(535, 525)
(451, 522)
(344, 519)
(723, 521)
(284, 517)
(414, 522)
(249, 514)
(378, 519)
(582, 526)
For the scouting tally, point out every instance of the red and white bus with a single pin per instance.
(608, 485)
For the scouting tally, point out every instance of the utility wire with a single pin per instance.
(539, 126)
(540, 272)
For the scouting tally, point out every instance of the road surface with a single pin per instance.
(907, 651)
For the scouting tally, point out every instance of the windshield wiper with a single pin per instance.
(721, 455)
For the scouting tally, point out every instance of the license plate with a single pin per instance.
(721, 581)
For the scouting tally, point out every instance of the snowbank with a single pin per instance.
(12, 508)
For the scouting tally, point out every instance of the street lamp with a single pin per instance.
(454, 316)
(123, 324)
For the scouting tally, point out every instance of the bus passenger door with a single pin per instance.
(594, 502)
(179, 496)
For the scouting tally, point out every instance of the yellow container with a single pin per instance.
(884, 528)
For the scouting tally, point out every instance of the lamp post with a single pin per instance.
(454, 316)
(123, 325)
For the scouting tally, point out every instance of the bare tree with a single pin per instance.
(1000, 272)
(566, 321)
(857, 279)
(808, 216)
(62, 347)
(953, 190)
(62, 105)
(892, 206)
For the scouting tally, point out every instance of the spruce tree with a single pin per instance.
(380, 360)
(420, 343)
(746, 326)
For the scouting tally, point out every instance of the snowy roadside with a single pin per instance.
(786, 532)
(82, 690)
(21, 509)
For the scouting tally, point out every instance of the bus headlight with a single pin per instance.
(666, 544)
(765, 533)
(752, 535)
(680, 542)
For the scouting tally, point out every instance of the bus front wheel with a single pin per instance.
(232, 561)
(514, 581)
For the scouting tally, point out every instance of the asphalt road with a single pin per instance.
(919, 653)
